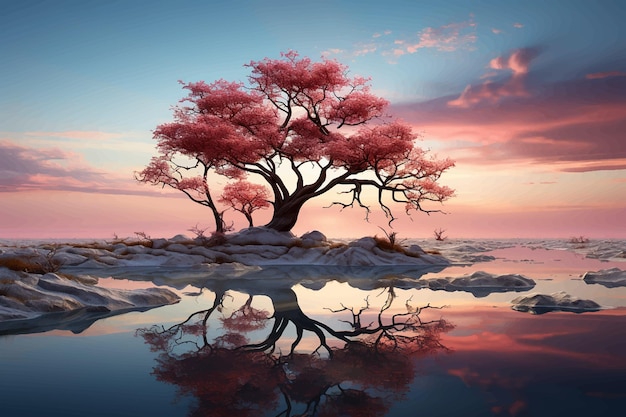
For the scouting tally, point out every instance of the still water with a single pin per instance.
(335, 347)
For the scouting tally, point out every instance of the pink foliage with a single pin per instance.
(292, 111)
(245, 197)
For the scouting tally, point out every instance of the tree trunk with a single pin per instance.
(286, 215)
(249, 218)
(219, 220)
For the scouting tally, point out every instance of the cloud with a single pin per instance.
(599, 75)
(25, 168)
(378, 34)
(332, 51)
(365, 49)
(518, 25)
(517, 62)
(573, 126)
(445, 38)
(77, 134)
(496, 31)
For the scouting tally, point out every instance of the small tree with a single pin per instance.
(245, 197)
(439, 234)
(323, 129)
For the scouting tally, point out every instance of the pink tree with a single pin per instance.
(245, 197)
(308, 118)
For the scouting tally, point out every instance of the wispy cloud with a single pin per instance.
(332, 51)
(518, 25)
(445, 38)
(378, 34)
(77, 134)
(607, 74)
(24, 168)
(84, 140)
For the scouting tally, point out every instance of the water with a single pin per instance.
(475, 357)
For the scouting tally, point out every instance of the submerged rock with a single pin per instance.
(481, 283)
(26, 301)
(610, 278)
(560, 301)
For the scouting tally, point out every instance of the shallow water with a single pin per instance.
(478, 357)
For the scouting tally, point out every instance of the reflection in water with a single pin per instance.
(363, 372)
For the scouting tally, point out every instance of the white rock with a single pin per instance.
(415, 250)
(367, 243)
(268, 251)
(261, 236)
(481, 283)
(66, 258)
(159, 243)
(610, 278)
(180, 239)
(313, 239)
(38, 295)
(178, 247)
(560, 301)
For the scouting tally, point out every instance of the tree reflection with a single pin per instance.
(362, 372)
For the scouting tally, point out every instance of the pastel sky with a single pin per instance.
(529, 98)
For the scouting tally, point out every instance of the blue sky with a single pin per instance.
(89, 80)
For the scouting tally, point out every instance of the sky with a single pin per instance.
(528, 97)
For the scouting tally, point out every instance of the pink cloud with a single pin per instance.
(598, 75)
(518, 62)
(518, 25)
(496, 31)
(574, 126)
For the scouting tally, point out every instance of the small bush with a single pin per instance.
(217, 239)
(579, 240)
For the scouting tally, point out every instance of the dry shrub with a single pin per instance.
(80, 279)
(41, 266)
(336, 245)
(388, 245)
(217, 239)
(579, 239)
(296, 243)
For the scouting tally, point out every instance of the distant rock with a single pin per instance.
(560, 301)
(481, 283)
(610, 278)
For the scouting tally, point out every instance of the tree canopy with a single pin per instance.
(304, 128)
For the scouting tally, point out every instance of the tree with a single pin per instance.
(439, 234)
(245, 197)
(303, 127)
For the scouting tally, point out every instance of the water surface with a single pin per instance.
(474, 357)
